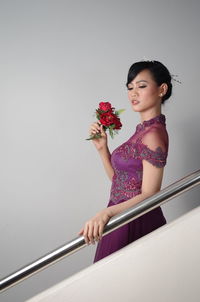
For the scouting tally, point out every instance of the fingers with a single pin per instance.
(102, 130)
(92, 232)
(93, 229)
(101, 231)
(96, 232)
(95, 128)
(85, 234)
(88, 233)
(81, 232)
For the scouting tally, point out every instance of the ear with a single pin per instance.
(163, 89)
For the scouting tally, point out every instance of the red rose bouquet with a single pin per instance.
(109, 118)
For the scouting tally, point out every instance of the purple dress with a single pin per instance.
(149, 142)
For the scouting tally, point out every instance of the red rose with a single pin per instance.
(105, 106)
(107, 118)
(117, 123)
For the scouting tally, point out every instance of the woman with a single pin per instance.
(136, 167)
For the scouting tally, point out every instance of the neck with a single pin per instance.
(147, 115)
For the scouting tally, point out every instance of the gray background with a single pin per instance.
(58, 60)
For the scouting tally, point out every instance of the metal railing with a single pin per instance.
(115, 222)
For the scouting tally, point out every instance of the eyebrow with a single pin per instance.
(139, 82)
(142, 81)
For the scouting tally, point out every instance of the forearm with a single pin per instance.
(118, 208)
(106, 160)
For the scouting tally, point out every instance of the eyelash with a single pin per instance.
(138, 87)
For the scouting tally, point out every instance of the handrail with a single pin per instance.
(115, 222)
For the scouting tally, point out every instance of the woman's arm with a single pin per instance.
(151, 183)
(102, 147)
(106, 160)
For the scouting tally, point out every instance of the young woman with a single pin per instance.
(136, 167)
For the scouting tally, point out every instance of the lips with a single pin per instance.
(135, 102)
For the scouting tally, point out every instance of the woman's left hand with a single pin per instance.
(93, 228)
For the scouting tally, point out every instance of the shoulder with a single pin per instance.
(156, 137)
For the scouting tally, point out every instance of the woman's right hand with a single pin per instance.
(97, 128)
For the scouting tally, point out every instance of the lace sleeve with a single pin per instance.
(153, 147)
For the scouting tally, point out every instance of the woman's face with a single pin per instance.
(143, 92)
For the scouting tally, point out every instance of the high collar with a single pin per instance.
(157, 119)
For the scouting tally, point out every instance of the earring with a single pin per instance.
(161, 94)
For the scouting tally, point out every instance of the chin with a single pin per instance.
(136, 109)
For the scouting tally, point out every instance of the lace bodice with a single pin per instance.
(149, 142)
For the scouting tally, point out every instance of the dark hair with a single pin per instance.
(159, 72)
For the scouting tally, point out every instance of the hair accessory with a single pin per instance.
(145, 59)
(173, 76)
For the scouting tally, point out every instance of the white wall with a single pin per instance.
(58, 60)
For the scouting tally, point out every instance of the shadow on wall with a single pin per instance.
(189, 146)
(190, 158)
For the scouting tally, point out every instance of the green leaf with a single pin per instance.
(118, 112)
(93, 137)
(100, 111)
(111, 132)
(112, 126)
(98, 116)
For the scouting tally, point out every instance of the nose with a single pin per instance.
(133, 93)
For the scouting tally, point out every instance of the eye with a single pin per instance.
(129, 88)
(143, 86)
